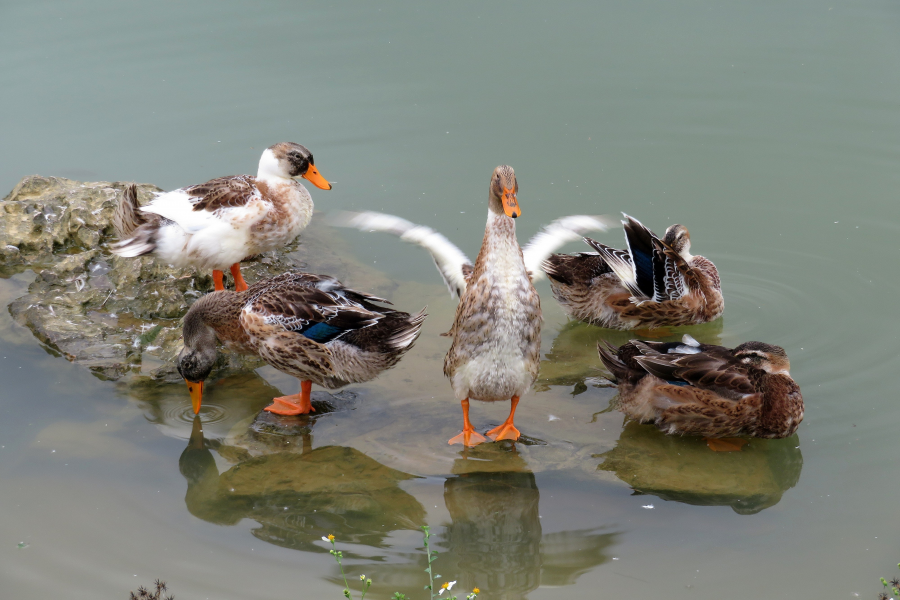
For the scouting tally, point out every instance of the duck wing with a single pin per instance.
(235, 199)
(649, 269)
(553, 236)
(705, 370)
(453, 265)
(315, 306)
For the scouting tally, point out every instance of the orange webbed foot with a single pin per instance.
(506, 431)
(290, 405)
(469, 438)
(726, 444)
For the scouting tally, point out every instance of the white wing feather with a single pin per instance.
(448, 259)
(555, 235)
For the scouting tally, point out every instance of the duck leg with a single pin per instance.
(468, 437)
(507, 430)
(218, 280)
(295, 404)
(239, 284)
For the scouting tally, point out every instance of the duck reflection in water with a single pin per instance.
(495, 540)
(297, 494)
(684, 470)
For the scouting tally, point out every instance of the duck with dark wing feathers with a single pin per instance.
(712, 391)
(309, 326)
(654, 283)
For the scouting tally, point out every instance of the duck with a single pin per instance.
(653, 283)
(495, 352)
(706, 390)
(217, 224)
(306, 325)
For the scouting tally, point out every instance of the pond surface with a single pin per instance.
(772, 130)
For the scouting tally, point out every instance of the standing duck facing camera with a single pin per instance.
(497, 330)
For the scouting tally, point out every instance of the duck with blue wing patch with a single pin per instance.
(702, 389)
(653, 283)
(309, 326)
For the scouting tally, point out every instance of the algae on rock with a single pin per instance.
(122, 316)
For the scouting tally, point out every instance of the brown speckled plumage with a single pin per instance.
(358, 338)
(495, 353)
(674, 288)
(701, 389)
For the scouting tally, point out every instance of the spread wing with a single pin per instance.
(561, 231)
(649, 269)
(454, 266)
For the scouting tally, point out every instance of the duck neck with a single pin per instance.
(269, 169)
(206, 316)
(500, 243)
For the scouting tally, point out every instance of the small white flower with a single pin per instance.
(324, 539)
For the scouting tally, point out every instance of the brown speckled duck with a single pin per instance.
(217, 224)
(701, 389)
(497, 330)
(309, 326)
(654, 283)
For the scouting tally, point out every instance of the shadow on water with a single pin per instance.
(296, 494)
(685, 470)
(573, 361)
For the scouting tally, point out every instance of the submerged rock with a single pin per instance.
(122, 316)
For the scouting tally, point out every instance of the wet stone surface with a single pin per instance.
(121, 317)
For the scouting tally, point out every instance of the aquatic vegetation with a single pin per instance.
(432, 556)
(145, 594)
(893, 586)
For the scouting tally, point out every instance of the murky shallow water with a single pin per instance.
(770, 130)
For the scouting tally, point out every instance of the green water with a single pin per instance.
(772, 130)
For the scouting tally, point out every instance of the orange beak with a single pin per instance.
(196, 390)
(510, 204)
(312, 175)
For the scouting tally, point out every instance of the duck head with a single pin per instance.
(769, 358)
(196, 359)
(287, 160)
(503, 190)
(678, 239)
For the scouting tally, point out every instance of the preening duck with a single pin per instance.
(309, 326)
(497, 330)
(707, 390)
(217, 224)
(654, 283)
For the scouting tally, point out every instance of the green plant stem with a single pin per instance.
(337, 556)
(427, 533)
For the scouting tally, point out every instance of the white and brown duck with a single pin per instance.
(217, 224)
